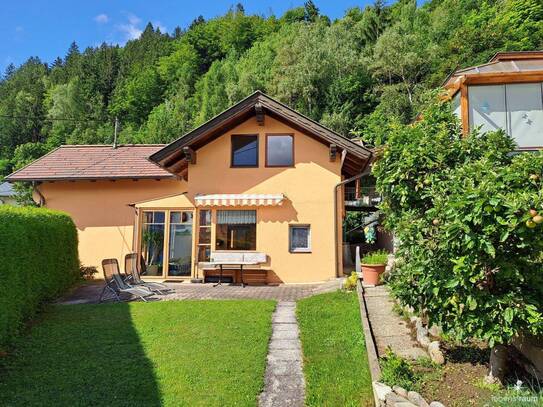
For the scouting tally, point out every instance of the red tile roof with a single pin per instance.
(93, 162)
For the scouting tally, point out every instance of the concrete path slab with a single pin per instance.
(388, 328)
(284, 383)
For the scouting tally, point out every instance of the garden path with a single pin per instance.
(388, 328)
(284, 383)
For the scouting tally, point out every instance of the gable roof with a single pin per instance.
(502, 63)
(93, 162)
(172, 157)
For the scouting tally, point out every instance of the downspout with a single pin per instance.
(360, 175)
(42, 198)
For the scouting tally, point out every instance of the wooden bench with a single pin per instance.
(233, 261)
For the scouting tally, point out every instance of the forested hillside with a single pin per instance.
(355, 74)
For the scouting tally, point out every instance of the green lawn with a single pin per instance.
(174, 353)
(335, 360)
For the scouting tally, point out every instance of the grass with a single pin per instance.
(172, 353)
(335, 359)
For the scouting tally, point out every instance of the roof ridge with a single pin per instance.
(109, 145)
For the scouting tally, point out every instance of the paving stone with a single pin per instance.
(285, 334)
(285, 344)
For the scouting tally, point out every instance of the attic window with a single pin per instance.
(245, 150)
(279, 150)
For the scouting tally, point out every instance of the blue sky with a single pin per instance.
(46, 28)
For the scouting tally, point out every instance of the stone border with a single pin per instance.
(371, 349)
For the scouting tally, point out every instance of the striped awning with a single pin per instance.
(239, 200)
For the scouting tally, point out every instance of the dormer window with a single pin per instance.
(244, 150)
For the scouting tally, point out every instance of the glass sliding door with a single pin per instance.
(152, 241)
(180, 244)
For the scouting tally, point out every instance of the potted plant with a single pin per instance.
(373, 265)
(153, 244)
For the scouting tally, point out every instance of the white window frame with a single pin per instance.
(299, 249)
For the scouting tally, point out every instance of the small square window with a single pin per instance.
(300, 238)
(245, 151)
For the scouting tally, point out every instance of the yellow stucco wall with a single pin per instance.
(309, 188)
(105, 221)
(101, 213)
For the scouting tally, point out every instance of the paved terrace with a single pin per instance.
(90, 292)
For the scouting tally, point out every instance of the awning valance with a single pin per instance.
(239, 200)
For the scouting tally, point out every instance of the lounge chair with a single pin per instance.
(132, 274)
(115, 284)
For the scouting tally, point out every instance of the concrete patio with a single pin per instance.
(89, 293)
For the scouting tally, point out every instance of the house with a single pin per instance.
(506, 93)
(258, 177)
(7, 194)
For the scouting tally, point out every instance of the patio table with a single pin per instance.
(232, 263)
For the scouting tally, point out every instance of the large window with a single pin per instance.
(279, 150)
(515, 108)
(245, 151)
(299, 238)
(236, 230)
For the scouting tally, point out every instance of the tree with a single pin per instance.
(464, 211)
(311, 11)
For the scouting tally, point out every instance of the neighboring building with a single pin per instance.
(506, 93)
(258, 177)
(7, 194)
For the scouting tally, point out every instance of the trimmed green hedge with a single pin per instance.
(38, 262)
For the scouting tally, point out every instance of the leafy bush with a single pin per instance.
(38, 261)
(464, 210)
(350, 282)
(87, 272)
(397, 371)
(376, 257)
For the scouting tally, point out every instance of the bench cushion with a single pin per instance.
(242, 257)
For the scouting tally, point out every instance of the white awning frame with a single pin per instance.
(239, 200)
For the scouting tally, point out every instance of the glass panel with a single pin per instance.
(525, 114)
(175, 217)
(456, 105)
(236, 237)
(204, 253)
(148, 217)
(244, 151)
(152, 248)
(487, 107)
(180, 250)
(279, 151)
(159, 217)
(205, 235)
(299, 238)
(205, 217)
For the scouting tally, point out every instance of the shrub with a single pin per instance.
(377, 257)
(87, 272)
(38, 261)
(397, 371)
(465, 212)
(350, 282)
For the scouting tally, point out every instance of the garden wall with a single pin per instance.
(38, 262)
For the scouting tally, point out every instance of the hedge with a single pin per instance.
(38, 262)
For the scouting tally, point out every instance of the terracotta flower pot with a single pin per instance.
(371, 273)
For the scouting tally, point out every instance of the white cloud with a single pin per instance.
(131, 30)
(101, 18)
(19, 29)
(159, 25)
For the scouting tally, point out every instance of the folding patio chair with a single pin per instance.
(115, 284)
(131, 270)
